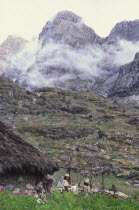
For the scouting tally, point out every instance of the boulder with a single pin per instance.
(16, 191)
(9, 187)
(124, 174)
(29, 187)
(127, 183)
(136, 185)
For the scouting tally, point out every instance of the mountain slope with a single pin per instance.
(94, 129)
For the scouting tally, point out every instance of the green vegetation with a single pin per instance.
(67, 201)
(58, 121)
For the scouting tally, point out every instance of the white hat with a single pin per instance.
(67, 175)
(87, 181)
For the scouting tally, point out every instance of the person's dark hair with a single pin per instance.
(86, 184)
(65, 177)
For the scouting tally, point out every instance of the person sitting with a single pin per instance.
(47, 183)
(66, 183)
(86, 187)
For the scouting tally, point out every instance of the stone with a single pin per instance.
(16, 191)
(9, 187)
(102, 134)
(36, 196)
(124, 174)
(136, 182)
(127, 183)
(136, 185)
(29, 187)
(95, 189)
(25, 119)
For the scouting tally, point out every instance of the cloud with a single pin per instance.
(125, 52)
(26, 57)
(64, 56)
(55, 63)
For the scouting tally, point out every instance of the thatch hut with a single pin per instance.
(20, 161)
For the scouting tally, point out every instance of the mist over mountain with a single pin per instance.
(71, 55)
(8, 49)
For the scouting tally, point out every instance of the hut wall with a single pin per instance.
(17, 181)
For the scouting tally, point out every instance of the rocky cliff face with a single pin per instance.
(69, 28)
(127, 82)
(128, 30)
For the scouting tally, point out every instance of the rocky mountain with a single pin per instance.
(71, 55)
(69, 28)
(67, 39)
(57, 63)
(68, 56)
(127, 82)
(9, 48)
(127, 30)
(96, 130)
(12, 45)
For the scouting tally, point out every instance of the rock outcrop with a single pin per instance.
(127, 82)
(128, 30)
(69, 28)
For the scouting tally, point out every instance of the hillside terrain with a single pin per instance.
(94, 130)
(55, 98)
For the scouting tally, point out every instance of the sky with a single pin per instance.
(26, 18)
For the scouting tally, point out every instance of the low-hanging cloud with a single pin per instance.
(59, 62)
(125, 52)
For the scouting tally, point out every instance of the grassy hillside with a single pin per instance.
(94, 130)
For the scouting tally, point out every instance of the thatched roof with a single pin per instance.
(18, 156)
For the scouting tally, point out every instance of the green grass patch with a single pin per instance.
(67, 201)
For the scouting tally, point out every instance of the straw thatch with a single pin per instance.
(19, 157)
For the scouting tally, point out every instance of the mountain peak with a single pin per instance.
(13, 44)
(128, 30)
(68, 28)
(69, 16)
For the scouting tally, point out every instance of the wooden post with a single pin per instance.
(77, 175)
(102, 183)
(91, 185)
